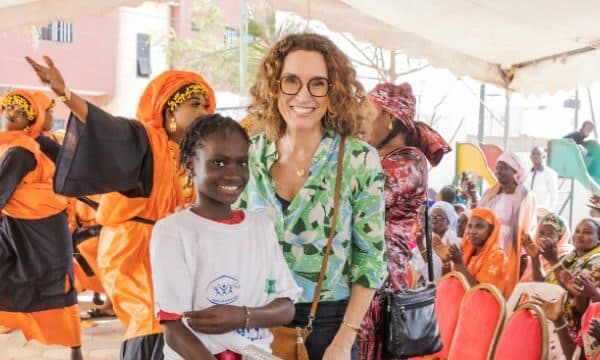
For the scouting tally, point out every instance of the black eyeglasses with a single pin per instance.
(291, 85)
(438, 218)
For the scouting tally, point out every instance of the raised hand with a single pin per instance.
(440, 248)
(595, 332)
(554, 310)
(549, 250)
(530, 247)
(48, 74)
(567, 280)
(456, 254)
(584, 282)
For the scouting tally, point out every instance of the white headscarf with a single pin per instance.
(448, 209)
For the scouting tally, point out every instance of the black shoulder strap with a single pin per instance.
(428, 242)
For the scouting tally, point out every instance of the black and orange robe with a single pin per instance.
(37, 292)
(134, 165)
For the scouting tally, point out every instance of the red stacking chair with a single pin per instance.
(451, 289)
(479, 323)
(525, 336)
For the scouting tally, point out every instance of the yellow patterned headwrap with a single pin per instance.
(184, 94)
(21, 103)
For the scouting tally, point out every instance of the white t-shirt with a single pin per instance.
(198, 263)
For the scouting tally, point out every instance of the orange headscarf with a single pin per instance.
(160, 90)
(36, 103)
(33, 198)
(489, 266)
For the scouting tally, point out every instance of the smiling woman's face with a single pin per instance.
(303, 111)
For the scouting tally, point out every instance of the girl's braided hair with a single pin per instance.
(201, 128)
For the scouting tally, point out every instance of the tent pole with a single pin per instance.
(481, 128)
(589, 91)
(243, 50)
(506, 119)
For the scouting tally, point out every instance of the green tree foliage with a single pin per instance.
(207, 52)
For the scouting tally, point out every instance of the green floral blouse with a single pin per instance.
(358, 254)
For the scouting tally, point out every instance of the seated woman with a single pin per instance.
(554, 232)
(587, 344)
(481, 260)
(578, 271)
(443, 225)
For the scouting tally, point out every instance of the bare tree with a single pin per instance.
(384, 62)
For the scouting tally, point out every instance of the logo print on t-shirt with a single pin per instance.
(270, 286)
(223, 290)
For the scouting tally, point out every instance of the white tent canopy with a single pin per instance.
(18, 13)
(533, 46)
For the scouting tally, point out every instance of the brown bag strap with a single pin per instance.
(336, 202)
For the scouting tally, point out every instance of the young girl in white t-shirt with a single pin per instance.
(222, 264)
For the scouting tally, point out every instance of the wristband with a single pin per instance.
(564, 325)
(351, 326)
(247, 324)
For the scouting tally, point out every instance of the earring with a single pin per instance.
(190, 181)
(390, 125)
(172, 125)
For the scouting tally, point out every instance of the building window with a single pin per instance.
(232, 37)
(144, 68)
(195, 26)
(59, 31)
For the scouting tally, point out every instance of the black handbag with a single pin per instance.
(410, 326)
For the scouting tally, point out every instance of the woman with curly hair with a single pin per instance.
(306, 98)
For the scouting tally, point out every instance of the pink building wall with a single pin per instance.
(88, 63)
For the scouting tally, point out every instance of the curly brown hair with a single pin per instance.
(346, 113)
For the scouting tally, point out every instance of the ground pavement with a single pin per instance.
(100, 342)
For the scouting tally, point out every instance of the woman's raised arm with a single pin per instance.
(52, 77)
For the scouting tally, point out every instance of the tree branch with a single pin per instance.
(435, 108)
(414, 70)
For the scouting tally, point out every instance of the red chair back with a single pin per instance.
(525, 335)
(479, 323)
(451, 289)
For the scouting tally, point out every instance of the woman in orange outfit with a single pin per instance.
(134, 164)
(37, 293)
(86, 233)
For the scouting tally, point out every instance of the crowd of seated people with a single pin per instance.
(509, 240)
